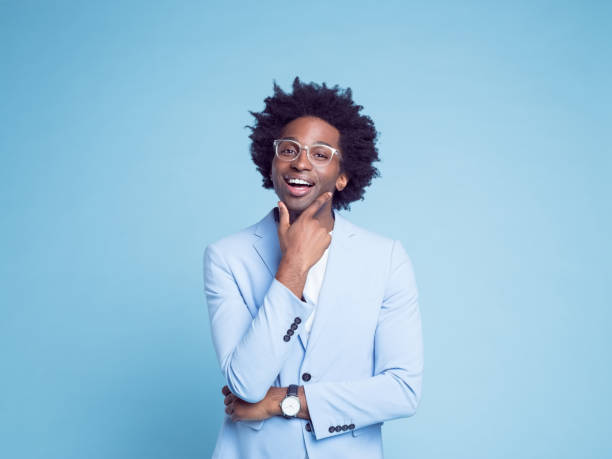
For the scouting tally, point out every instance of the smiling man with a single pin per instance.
(315, 321)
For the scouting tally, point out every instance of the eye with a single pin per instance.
(287, 148)
(321, 153)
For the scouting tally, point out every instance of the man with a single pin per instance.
(314, 320)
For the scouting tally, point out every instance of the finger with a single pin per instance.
(317, 204)
(283, 216)
(229, 410)
(228, 399)
(225, 390)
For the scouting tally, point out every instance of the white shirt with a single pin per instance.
(312, 287)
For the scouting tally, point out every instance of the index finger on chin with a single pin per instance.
(317, 204)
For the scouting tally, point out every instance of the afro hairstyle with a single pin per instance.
(333, 105)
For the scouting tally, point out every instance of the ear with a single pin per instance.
(342, 181)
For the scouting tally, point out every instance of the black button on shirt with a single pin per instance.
(308, 427)
(293, 327)
(306, 377)
(331, 429)
(344, 428)
(338, 428)
(298, 320)
(289, 332)
(286, 338)
(352, 426)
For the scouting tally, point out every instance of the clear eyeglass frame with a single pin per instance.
(315, 162)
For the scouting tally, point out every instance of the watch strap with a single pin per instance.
(292, 390)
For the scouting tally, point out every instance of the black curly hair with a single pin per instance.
(333, 105)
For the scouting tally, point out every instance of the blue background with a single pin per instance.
(124, 154)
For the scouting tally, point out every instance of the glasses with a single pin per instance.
(318, 154)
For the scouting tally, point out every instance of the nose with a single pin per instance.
(302, 162)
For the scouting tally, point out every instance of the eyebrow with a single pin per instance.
(317, 142)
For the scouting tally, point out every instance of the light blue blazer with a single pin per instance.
(364, 353)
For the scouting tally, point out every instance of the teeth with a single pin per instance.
(296, 181)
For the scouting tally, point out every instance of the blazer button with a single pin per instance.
(351, 426)
(308, 427)
(297, 321)
(331, 429)
(344, 428)
(290, 332)
(306, 377)
(286, 338)
(338, 428)
(293, 327)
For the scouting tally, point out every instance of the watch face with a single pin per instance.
(290, 406)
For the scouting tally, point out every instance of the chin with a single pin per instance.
(295, 205)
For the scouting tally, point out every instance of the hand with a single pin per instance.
(239, 410)
(303, 242)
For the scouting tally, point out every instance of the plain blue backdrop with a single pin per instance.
(124, 153)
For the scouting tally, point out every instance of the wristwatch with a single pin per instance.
(290, 406)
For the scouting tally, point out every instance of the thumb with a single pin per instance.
(283, 217)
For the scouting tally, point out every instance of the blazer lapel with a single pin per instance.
(336, 275)
(267, 245)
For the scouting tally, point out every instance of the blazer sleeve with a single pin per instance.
(395, 388)
(251, 350)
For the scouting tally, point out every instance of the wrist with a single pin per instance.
(293, 265)
(292, 275)
(304, 413)
(275, 397)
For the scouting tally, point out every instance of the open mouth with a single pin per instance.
(298, 186)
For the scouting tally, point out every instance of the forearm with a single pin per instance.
(255, 362)
(360, 402)
(292, 276)
(251, 347)
(363, 402)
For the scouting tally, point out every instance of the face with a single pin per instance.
(307, 130)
